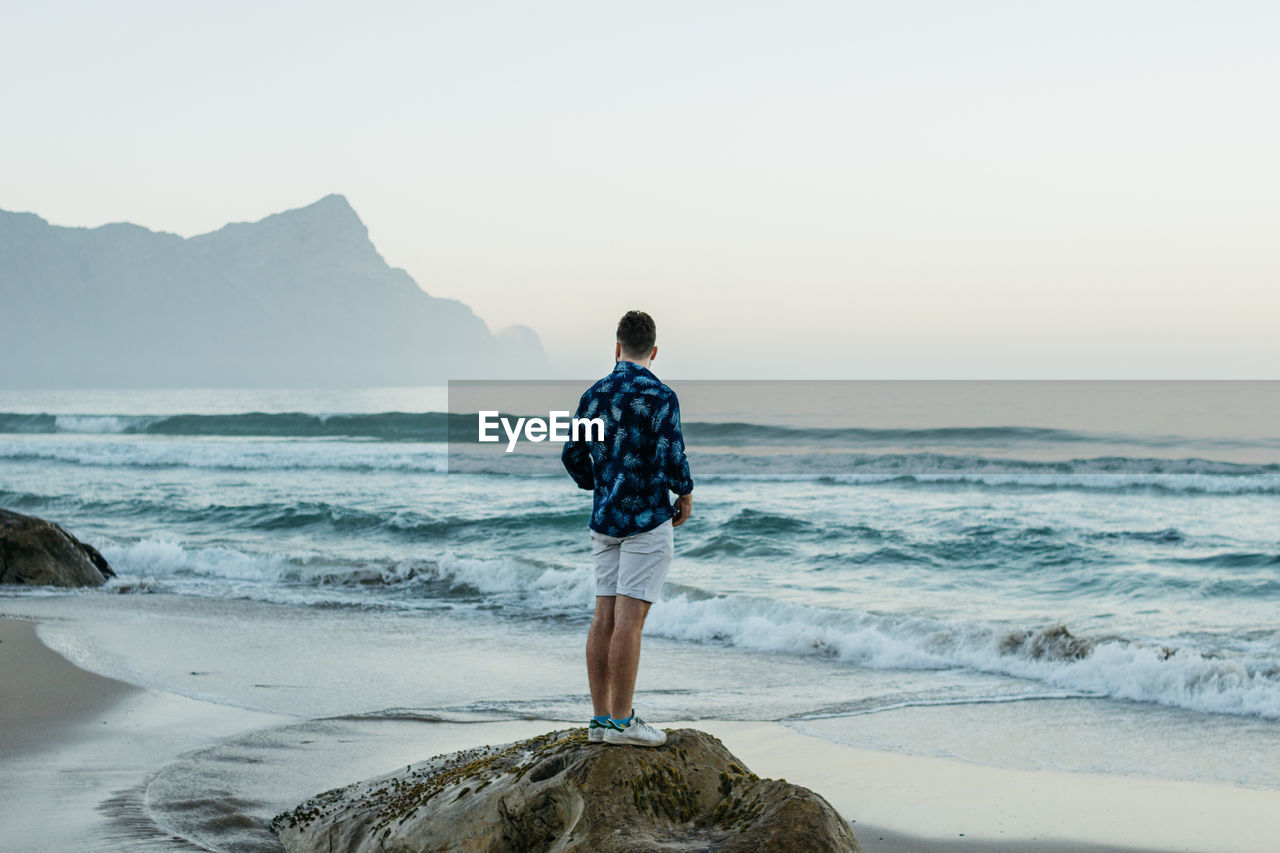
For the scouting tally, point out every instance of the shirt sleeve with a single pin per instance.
(675, 464)
(576, 456)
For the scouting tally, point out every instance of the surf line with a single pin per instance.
(557, 426)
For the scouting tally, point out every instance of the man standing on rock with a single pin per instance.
(631, 474)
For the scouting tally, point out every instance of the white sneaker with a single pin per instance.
(595, 731)
(637, 733)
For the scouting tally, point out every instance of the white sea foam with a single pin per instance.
(1218, 484)
(154, 559)
(94, 423)
(543, 587)
(1119, 668)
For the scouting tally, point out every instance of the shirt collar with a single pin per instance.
(632, 368)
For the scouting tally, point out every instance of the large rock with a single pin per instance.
(35, 551)
(557, 792)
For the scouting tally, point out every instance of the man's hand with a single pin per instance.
(684, 508)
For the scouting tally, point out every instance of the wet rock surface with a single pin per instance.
(38, 552)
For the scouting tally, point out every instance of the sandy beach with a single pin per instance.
(88, 760)
(78, 749)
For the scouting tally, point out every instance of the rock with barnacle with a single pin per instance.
(559, 792)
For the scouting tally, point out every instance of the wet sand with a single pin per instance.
(79, 750)
(43, 696)
(77, 747)
(904, 803)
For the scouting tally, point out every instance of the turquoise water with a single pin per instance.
(1029, 550)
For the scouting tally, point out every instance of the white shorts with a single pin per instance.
(634, 566)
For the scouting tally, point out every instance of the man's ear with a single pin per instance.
(653, 354)
(617, 351)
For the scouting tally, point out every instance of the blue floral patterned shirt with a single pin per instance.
(641, 460)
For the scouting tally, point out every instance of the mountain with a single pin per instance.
(300, 298)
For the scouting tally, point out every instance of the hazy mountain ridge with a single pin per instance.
(297, 298)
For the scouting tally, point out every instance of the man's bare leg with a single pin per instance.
(624, 653)
(598, 639)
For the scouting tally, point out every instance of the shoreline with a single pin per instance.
(74, 740)
(78, 746)
(45, 695)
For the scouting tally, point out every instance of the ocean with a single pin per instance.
(1082, 576)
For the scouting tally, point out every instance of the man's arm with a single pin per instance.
(684, 509)
(675, 463)
(576, 456)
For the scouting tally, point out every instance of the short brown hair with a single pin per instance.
(637, 333)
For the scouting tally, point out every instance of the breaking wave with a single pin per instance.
(1172, 673)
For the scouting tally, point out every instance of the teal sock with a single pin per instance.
(602, 719)
(621, 722)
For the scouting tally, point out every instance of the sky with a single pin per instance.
(801, 189)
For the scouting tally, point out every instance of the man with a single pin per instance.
(631, 474)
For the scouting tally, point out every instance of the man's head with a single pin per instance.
(636, 336)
